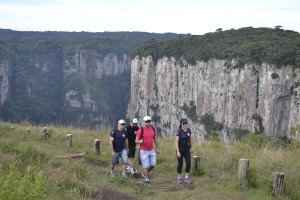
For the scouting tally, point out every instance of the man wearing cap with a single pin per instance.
(145, 137)
(118, 143)
(131, 131)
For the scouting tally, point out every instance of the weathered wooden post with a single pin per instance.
(45, 133)
(278, 184)
(69, 140)
(97, 146)
(12, 129)
(196, 165)
(28, 131)
(244, 172)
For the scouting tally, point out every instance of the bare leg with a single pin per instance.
(146, 173)
(124, 168)
(130, 162)
(112, 167)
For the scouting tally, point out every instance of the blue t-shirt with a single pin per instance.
(184, 139)
(119, 139)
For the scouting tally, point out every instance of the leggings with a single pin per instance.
(187, 156)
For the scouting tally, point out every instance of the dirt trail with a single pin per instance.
(162, 183)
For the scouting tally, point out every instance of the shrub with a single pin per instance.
(27, 185)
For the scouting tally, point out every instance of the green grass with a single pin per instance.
(29, 159)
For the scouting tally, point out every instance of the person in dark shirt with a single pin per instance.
(131, 132)
(183, 150)
(118, 143)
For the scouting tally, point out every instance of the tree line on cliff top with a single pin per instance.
(246, 45)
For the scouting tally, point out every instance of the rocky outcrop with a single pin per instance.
(257, 97)
(91, 64)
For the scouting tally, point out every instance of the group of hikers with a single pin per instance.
(123, 142)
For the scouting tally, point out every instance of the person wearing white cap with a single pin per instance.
(145, 136)
(118, 146)
(131, 131)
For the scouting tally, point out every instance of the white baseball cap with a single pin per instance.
(121, 121)
(135, 121)
(146, 118)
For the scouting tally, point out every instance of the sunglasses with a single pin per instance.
(148, 121)
(122, 124)
(185, 123)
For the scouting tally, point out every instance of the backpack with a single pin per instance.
(142, 131)
(142, 135)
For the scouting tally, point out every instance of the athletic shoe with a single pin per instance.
(133, 171)
(129, 169)
(112, 174)
(147, 182)
(179, 180)
(188, 180)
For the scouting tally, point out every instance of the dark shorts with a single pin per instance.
(131, 152)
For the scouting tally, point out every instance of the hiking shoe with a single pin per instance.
(179, 180)
(112, 174)
(188, 180)
(124, 175)
(147, 182)
(129, 169)
(133, 171)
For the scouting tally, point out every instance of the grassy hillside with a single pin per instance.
(30, 168)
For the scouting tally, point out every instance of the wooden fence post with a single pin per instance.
(196, 165)
(69, 140)
(46, 134)
(12, 129)
(278, 184)
(97, 146)
(244, 172)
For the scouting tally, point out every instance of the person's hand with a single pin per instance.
(113, 153)
(141, 141)
(178, 154)
(191, 151)
(158, 152)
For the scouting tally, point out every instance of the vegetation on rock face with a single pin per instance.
(274, 46)
(38, 84)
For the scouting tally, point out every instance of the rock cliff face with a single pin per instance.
(76, 88)
(258, 98)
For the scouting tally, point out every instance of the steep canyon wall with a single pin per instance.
(258, 97)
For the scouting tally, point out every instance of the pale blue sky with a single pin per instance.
(159, 16)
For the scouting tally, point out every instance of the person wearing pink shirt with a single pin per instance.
(146, 137)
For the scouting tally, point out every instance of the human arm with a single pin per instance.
(177, 146)
(111, 139)
(190, 142)
(138, 139)
(157, 145)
